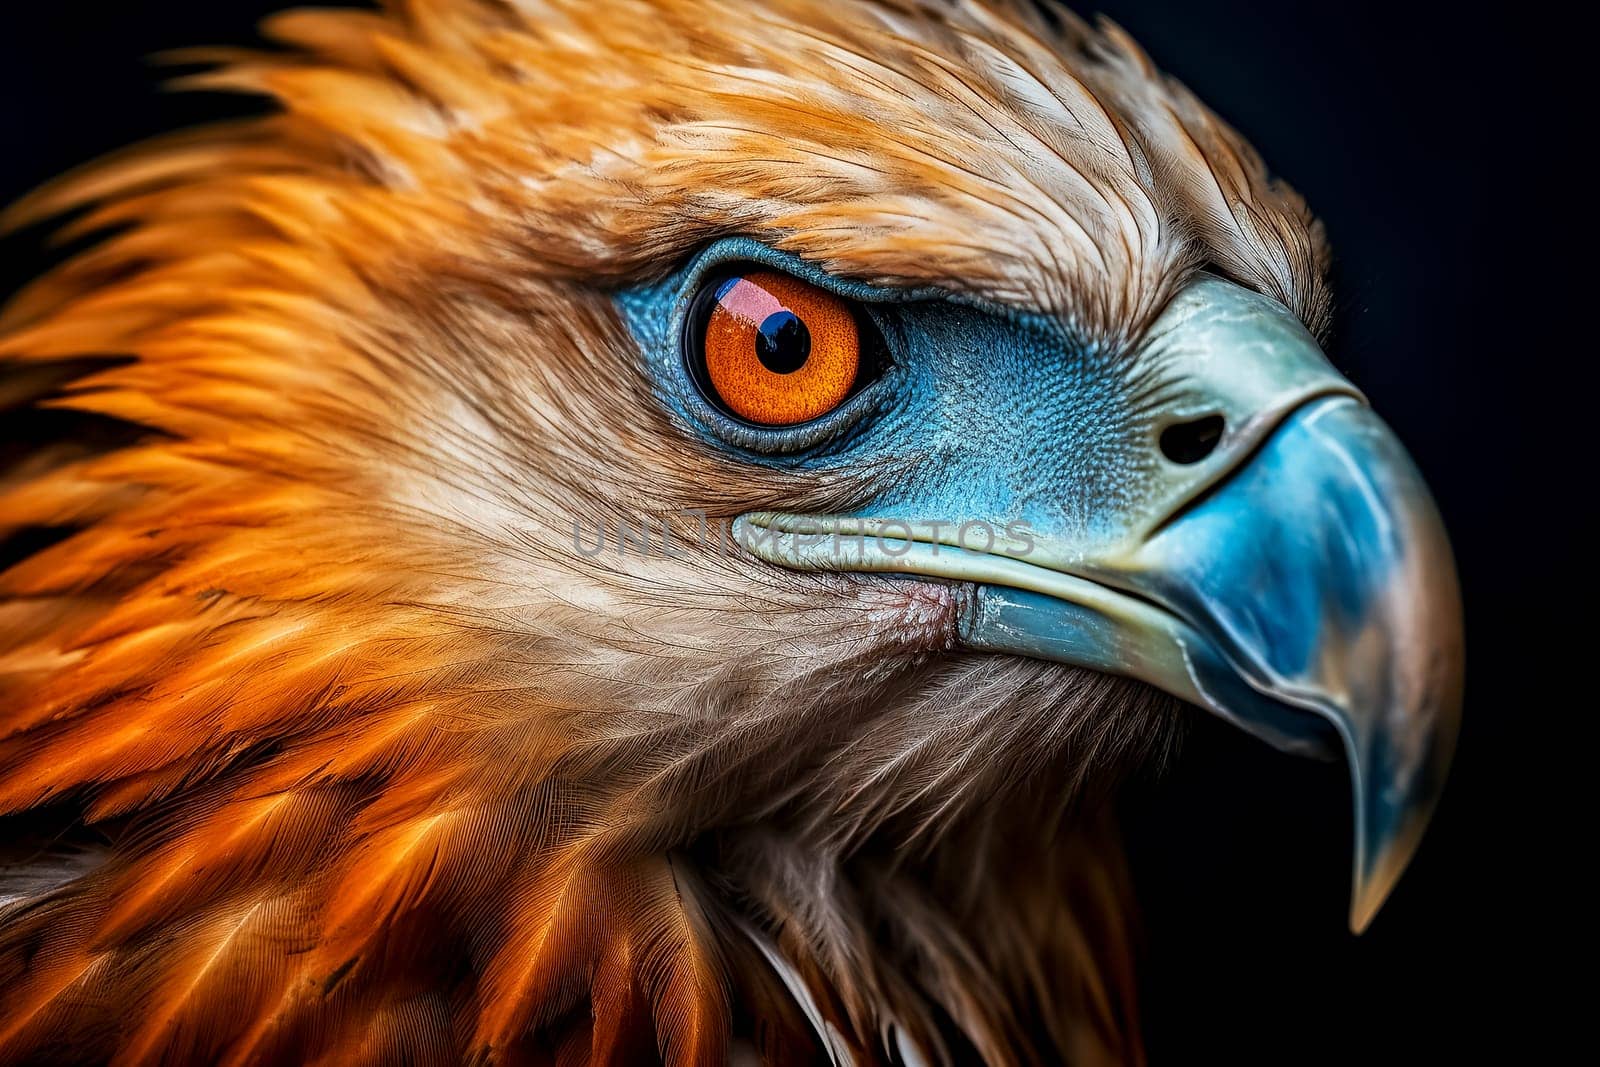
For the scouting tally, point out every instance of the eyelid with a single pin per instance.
(732, 250)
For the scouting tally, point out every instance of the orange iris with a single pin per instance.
(780, 351)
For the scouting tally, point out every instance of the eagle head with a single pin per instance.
(599, 532)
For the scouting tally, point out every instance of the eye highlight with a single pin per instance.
(773, 350)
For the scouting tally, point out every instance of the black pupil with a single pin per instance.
(783, 343)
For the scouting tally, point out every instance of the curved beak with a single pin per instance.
(1320, 576)
(1296, 582)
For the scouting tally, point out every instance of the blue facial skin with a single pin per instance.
(981, 413)
(1295, 579)
(1001, 417)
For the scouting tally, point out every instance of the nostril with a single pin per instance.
(1193, 441)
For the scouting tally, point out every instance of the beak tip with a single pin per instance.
(1367, 898)
(1380, 861)
(1373, 886)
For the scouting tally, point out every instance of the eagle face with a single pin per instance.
(647, 530)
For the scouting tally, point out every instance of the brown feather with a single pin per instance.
(390, 773)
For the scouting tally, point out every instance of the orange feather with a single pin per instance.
(376, 767)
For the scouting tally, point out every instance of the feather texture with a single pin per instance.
(387, 772)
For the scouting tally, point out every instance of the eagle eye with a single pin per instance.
(772, 350)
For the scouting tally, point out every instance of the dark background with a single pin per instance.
(1431, 142)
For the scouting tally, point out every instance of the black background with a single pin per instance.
(1431, 143)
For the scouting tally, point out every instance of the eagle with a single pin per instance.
(653, 530)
